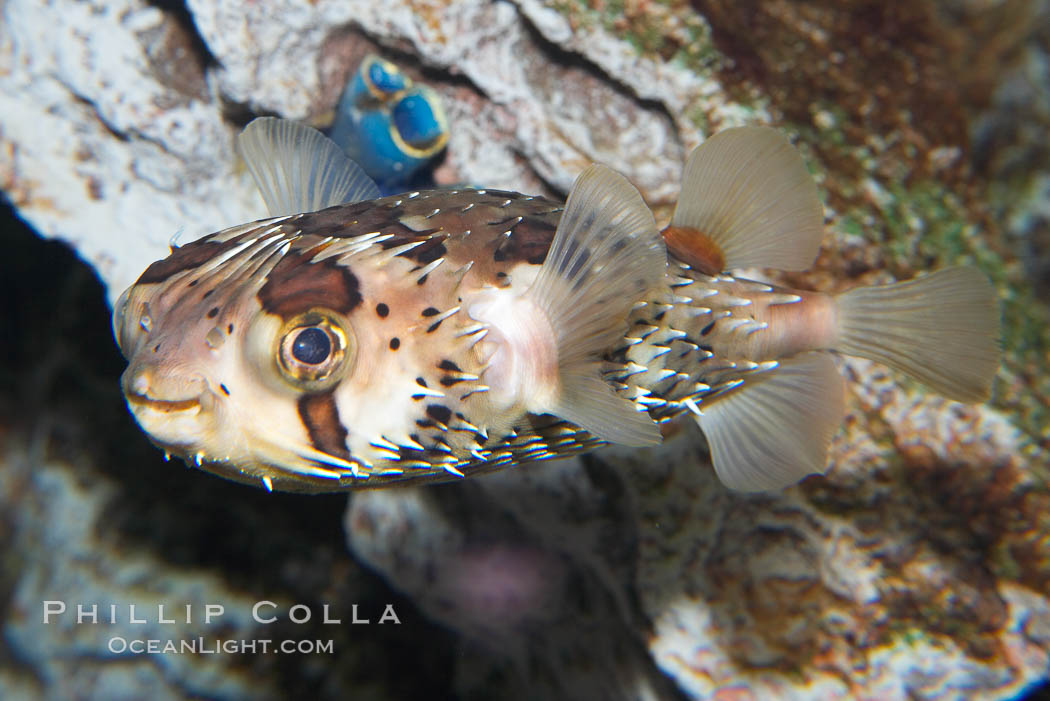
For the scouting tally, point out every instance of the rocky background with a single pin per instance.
(919, 567)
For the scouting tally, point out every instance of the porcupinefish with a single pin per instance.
(353, 341)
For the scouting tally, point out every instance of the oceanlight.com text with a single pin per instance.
(201, 646)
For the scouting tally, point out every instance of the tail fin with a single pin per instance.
(942, 329)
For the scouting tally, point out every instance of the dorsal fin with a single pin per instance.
(299, 169)
(606, 255)
(775, 430)
(748, 190)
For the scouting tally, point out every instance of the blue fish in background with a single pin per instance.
(391, 127)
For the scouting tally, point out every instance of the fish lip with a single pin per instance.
(166, 406)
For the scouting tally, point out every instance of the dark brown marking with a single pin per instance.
(382, 310)
(429, 251)
(530, 239)
(449, 365)
(430, 311)
(213, 312)
(694, 248)
(440, 413)
(395, 343)
(432, 248)
(532, 222)
(320, 416)
(187, 257)
(295, 285)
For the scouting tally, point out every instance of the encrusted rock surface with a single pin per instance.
(917, 568)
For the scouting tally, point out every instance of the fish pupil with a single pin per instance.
(312, 346)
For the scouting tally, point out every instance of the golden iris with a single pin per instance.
(315, 350)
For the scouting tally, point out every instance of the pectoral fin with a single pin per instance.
(606, 256)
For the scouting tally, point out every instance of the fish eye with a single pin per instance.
(311, 346)
(314, 350)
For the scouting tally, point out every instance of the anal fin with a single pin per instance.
(775, 430)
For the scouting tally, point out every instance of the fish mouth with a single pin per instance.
(164, 406)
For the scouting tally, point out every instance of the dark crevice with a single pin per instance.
(177, 10)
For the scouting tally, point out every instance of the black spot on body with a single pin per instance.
(395, 343)
(449, 365)
(213, 312)
(229, 329)
(382, 310)
(224, 390)
(448, 380)
(707, 329)
(440, 413)
(430, 311)
(434, 327)
(207, 294)
(421, 382)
